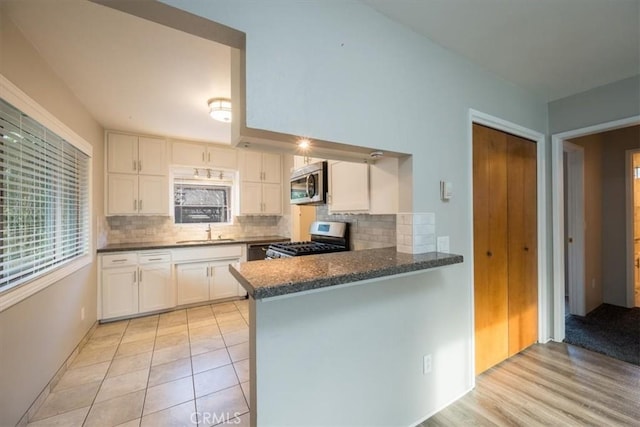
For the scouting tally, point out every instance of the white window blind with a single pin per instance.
(44, 199)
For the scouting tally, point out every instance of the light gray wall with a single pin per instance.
(353, 356)
(39, 333)
(615, 101)
(614, 232)
(340, 71)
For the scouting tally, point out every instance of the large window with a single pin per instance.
(44, 199)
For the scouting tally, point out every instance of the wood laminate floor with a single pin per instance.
(553, 384)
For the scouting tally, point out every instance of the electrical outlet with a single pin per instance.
(82, 313)
(426, 364)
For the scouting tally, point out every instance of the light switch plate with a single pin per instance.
(446, 190)
(442, 244)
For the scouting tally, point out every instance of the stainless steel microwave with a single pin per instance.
(309, 184)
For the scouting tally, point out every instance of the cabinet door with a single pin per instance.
(348, 187)
(192, 282)
(188, 154)
(223, 284)
(119, 292)
(220, 157)
(122, 194)
(251, 166)
(152, 156)
(153, 195)
(122, 153)
(272, 199)
(250, 198)
(154, 287)
(272, 168)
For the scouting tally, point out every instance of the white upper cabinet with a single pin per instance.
(261, 186)
(261, 167)
(363, 188)
(348, 187)
(137, 179)
(198, 154)
(136, 154)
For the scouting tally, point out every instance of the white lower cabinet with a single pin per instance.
(155, 287)
(193, 282)
(119, 291)
(132, 283)
(202, 281)
(135, 282)
(222, 284)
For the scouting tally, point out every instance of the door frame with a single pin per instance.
(557, 209)
(478, 117)
(631, 302)
(576, 225)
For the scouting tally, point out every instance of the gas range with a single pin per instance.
(326, 237)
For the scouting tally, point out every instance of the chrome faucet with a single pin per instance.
(208, 231)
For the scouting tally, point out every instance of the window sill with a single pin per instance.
(13, 296)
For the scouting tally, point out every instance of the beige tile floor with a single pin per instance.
(184, 368)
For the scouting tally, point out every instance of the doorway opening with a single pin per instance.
(613, 283)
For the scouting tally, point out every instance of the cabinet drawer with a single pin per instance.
(153, 257)
(119, 259)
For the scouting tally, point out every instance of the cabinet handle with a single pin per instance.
(139, 165)
(135, 205)
(155, 259)
(203, 157)
(140, 204)
(209, 157)
(134, 166)
(119, 260)
(526, 248)
(489, 253)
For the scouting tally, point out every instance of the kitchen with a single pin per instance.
(333, 57)
(142, 215)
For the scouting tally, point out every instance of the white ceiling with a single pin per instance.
(555, 48)
(131, 74)
(135, 75)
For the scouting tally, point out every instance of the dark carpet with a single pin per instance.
(609, 329)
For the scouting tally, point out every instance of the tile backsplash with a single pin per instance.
(138, 229)
(366, 231)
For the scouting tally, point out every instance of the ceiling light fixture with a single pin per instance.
(304, 144)
(220, 109)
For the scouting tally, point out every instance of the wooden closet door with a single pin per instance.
(490, 246)
(523, 252)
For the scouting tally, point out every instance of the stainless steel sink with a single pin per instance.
(206, 241)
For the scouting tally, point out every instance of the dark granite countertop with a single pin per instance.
(141, 246)
(270, 278)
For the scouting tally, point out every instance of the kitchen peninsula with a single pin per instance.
(343, 335)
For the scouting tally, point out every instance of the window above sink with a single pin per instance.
(204, 197)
